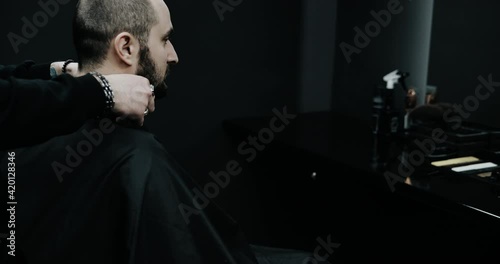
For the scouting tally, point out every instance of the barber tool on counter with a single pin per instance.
(388, 113)
(388, 105)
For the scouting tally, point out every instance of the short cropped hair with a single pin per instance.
(97, 22)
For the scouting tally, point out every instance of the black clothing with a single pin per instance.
(34, 108)
(111, 194)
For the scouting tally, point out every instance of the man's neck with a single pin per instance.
(106, 69)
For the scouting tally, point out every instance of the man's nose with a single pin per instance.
(172, 57)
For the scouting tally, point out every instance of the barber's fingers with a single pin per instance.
(141, 104)
(133, 95)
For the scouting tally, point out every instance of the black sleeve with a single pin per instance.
(33, 111)
(27, 70)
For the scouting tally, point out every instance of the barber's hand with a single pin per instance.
(71, 69)
(132, 96)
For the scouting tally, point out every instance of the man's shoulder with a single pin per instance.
(118, 136)
(103, 136)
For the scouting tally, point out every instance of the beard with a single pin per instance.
(148, 70)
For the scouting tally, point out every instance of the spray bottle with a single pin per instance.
(388, 117)
(388, 105)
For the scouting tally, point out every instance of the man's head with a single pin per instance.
(124, 36)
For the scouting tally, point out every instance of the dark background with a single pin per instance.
(402, 45)
(272, 54)
(465, 45)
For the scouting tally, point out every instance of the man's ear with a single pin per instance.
(126, 48)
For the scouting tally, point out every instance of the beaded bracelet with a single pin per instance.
(65, 65)
(110, 103)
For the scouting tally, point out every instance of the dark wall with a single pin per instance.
(52, 41)
(318, 37)
(245, 65)
(465, 45)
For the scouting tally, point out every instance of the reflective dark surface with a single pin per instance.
(333, 166)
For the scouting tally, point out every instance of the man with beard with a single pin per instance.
(111, 194)
(32, 99)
